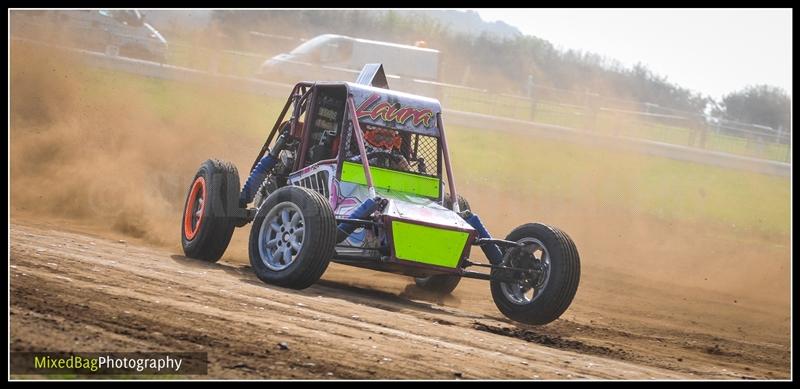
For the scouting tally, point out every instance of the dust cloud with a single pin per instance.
(113, 164)
(104, 161)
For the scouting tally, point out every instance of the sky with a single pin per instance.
(711, 51)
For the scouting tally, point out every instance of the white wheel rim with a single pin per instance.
(281, 236)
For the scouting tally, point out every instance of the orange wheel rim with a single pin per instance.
(195, 207)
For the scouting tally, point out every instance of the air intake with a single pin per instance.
(372, 74)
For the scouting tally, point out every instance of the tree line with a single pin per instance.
(507, 65)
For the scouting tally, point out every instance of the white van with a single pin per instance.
(332, 57)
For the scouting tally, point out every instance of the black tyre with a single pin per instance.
(209, 211)
(293, 237)
(439, 284)
(463, 204)
(443, 283)
(538, 300)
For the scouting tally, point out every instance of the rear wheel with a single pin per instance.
(292, 238)
(439, 283)
(542, 294)
(208, 214)
(443, 283)
(463, 204)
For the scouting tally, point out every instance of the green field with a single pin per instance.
(512, 107)
(664, 188)
(205, 59)
(607, 122)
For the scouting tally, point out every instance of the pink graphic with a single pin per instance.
(390, 113)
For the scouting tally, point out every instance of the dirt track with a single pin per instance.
(657, 299)
(84, 292)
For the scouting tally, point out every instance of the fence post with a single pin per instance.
(697, 131)
(591, 107)
(530, 97)
(703, 134)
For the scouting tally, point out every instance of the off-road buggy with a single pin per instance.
(357, 175)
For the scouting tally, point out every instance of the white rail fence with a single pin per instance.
(452, 117)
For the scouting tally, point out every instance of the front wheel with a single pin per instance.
(541, 292)
(293, 237)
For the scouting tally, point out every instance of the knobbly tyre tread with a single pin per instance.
(219, 219)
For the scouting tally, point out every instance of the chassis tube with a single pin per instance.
(306, 134)
(490, 249)
(293, 97)
(446, 152)
(351, 107)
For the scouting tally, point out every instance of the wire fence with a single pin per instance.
(582, 110)
(591, 111)
(626, 118)
(116, 62)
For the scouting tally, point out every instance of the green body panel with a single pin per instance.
(429, 245)
(392, 180)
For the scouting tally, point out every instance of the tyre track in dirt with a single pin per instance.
(78, 292)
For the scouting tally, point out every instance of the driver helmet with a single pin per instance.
(379, 138)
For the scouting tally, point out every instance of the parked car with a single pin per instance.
(116, 32)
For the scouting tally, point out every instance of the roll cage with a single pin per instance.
(337, 109)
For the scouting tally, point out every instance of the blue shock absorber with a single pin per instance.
(256, 177)
(362, 211)
(491, 250)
